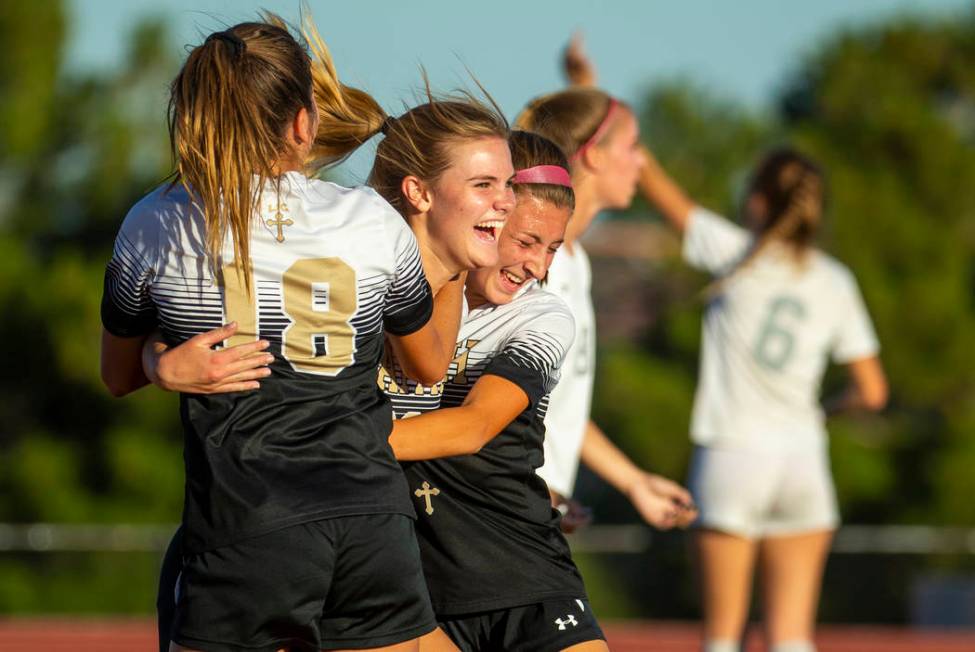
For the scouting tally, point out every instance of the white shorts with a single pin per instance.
(757, 494)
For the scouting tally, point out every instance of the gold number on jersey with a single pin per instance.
(239, 305)
(319, 296)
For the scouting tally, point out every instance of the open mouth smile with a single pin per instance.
(510, 281)
(488, 230)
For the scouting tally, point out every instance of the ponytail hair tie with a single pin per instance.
(240, 46)
(550, 174)
(388, 123)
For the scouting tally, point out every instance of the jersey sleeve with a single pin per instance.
(713, 243)
(127, 308)
(532, 357)
(409, 301)
(855, 336)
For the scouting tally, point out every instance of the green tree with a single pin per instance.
(75, 153)
(889, 111)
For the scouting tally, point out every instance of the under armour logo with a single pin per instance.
(570, 620)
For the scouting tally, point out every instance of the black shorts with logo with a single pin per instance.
(546, 626)
(346, 582)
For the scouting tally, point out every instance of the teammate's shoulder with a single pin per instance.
(542, 301)
(329, 191)
(831, 267)
(160, 207)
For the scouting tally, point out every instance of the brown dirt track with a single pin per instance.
(23, 635)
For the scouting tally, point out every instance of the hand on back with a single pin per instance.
(194, 367)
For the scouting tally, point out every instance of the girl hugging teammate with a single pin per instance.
(298, 526)
(498, 568)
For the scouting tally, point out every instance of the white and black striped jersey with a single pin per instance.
(408, 397)
(333, 269)
(489, 511)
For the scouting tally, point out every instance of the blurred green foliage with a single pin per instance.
(889, 110)
(75, 153)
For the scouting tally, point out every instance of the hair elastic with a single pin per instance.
(388, 123)
(600, 130)
(240, 46)
(552, 174)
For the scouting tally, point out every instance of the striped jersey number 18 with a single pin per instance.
(776, 339)
(319, 297)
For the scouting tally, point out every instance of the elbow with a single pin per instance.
(876, 399)
(116, 385)
(428, 372)
(428, 378)
(115, 388)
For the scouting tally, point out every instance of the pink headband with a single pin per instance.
(600, 131)
(553, 174)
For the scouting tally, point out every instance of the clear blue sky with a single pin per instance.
(741, 49)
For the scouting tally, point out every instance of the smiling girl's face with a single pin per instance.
(527, 244)
(471, 200)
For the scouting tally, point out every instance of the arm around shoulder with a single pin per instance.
(426, 353)
(121, 363)
(491, 405)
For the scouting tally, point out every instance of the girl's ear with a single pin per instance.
(417, 193)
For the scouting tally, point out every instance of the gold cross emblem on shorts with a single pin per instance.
(426, 494)
(279, 220)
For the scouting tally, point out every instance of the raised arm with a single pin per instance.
(663, 192)
(655, 184)
(577, 67)
(492, 404)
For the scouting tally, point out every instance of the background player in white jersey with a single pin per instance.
(298, 530)
(499, 570)
(779, 309)
(600, 136)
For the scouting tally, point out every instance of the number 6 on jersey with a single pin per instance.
(776, 341)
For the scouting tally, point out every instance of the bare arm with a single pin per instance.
(655, 184)
(664, 193)
(576, 64)
(426, 354)
(194, 367)
(660, 502)
(866, 391)
(121, 363)
(492, 404)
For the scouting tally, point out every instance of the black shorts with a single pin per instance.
(347, 582)
(546, 626)
(172, 566)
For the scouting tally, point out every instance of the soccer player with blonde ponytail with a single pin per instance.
(297, 526)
